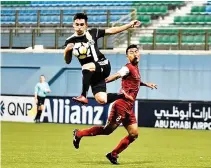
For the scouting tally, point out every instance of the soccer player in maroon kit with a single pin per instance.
(122, 109)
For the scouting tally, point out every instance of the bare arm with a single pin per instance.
(112, 77)
(68, 53)
(48, 90)
(150, 85)
(114, 30)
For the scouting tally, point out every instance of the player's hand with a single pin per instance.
(135, 23)
(47, 90)
(151, 85)
(70, 46)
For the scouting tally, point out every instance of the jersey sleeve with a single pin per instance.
(97, 33)
(68, 40)
(124, 71)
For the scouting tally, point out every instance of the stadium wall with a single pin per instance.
(179, 77)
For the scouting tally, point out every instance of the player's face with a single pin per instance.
(133, 55)
(42, 79)
(80, 26)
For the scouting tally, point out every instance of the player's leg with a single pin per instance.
(131, 126)
(36, 119)
(110, 126)
(93, 131)
(87, 71)
(40, 108)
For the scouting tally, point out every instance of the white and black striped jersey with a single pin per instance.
(90, 37)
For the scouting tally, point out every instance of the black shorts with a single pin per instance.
(41, 100)
(103, 69)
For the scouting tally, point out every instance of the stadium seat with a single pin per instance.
(145, 40)
(198, 10)
(193, 19)
(152, 10)
(141, 3)
(89, 12)
(8, 20)
(67, 19)
(72, 11)
(28, 12)
(7, 12)
(15, 3)
(208, 9)
(50, 12)
(145, 19)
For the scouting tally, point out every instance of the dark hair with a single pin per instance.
(42, 75)
(131, 46)
(80, 16)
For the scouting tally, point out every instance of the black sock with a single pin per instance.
(114, 96)
(86, 81)
(36, 117)
(39, 114)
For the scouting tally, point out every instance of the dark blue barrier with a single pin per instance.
(175, 114)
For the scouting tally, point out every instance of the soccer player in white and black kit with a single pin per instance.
(95, 67)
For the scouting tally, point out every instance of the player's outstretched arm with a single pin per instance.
(112, 77)
(114, 30)
(68, 53)
(150, 85)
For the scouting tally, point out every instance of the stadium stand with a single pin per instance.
(199, 18)
(107, 13)
(117, 9)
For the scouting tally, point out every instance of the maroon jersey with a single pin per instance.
(130, 84)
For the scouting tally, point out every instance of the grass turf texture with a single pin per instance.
(26, 145)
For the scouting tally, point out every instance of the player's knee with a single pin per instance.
(101, 100)
(134, 135)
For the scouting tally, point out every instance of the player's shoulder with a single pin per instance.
(70, 37)
(38, 84)
(128, 65)
(92, 30)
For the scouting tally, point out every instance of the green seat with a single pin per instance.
(152, 9)
(145, 40)
(165, 39)
(181, 19)
(163, 9)
(198, 9)
(142, 9)
(145, 19)
(167, 31)
(199, 39)
(187, 40)
(209, 39)
(200, 19)
(207, 19)
(15, 3)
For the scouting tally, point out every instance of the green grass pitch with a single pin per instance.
(27, 145)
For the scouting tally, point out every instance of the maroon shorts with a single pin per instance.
(119, 114)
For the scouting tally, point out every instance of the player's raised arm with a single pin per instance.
(150, 85)
(68, 53)
(113, 77)
(121, 73)
(114, 30)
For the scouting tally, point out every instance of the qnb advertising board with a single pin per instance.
(15, 108)
(56, 110)
(175, 114)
